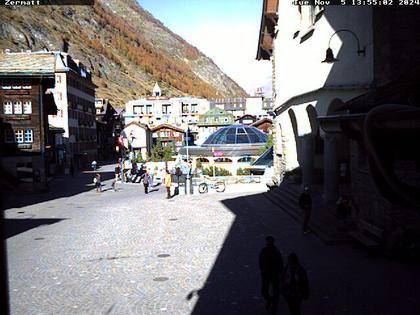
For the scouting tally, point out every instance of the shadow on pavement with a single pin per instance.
(13, 227)
(342, 279)
(60, 187)
(233, 285)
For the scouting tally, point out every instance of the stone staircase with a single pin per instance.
(323, 222)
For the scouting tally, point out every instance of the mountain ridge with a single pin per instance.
(127, 49)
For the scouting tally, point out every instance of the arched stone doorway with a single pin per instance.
(308, 143)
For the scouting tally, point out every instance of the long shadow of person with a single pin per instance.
(294, 284)
(271, 267)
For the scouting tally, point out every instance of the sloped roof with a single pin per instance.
(168, 126)
(261, 121)
(246, 116)
(266, 159)
(216, 112)
(137, 124)
(27, 64)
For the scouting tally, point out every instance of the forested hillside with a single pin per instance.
(127, 49)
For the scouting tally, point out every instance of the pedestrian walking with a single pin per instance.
(305, 203)
(117, 176)
(94, 165)
(178, 174)
(117, 171)
(168, 181)
(146, 179)
(294, 284)
(97, 182)
(271, 267)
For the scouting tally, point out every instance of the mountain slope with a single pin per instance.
(127, 49)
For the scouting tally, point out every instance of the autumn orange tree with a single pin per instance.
(162, 67)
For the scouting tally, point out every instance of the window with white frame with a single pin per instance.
(19, 136)
(17, 107)
(8, 108)
(27, 107)
(166, 108)
(138, 110)
(149, 109)
(28, 136)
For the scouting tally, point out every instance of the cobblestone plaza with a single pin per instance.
(80, 252)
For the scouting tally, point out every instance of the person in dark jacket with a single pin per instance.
(305, 203)
(146, 181)
(271, 266)
(294, 284)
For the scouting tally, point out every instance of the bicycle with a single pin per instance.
(215, 184)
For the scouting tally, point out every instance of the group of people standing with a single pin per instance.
(146, 179)
(290, 281)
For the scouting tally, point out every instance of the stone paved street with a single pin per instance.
(79, 252)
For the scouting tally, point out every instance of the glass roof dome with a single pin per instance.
(236, 134)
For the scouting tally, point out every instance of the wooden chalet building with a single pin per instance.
(167, 135)
(25, 100)
(264, 124)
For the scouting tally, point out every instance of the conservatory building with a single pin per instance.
(231, 148)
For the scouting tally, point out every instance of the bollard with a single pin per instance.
(188, 190)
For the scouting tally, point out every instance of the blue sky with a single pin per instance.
(225, 30)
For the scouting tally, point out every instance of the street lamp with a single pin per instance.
(329, 56)
(186, 142)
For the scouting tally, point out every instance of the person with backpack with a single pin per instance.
(271, 267)
(294, 284)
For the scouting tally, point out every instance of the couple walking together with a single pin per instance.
(291, 281)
